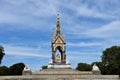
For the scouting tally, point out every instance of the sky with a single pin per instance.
(26, 27)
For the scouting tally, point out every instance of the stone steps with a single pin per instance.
(61, 77)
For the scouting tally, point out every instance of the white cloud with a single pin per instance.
(30, 7)
(7, 18)
(105, 9)
(84, 44)
(27, 14)
(110, 30)
(85, 11)
(24, 12)
(25, 51)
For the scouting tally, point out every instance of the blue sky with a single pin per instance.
(26, 27)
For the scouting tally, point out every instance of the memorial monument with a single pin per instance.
(59, 68)
(58, 44)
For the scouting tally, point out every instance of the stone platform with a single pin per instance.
(61, 77)
(62, 72)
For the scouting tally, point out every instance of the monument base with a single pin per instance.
(96, 72)
(59, 66)
(26, 73)
(62, 72)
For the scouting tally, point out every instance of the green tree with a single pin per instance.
(44, 67)
(1, 53)
(17, 69)
(84, 67)
(4, 70)
(111, 60)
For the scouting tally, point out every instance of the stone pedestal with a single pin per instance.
(59, 65)
(26, 73)
(97, 72)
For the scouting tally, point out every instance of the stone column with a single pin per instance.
(64, 57)
(53, 57)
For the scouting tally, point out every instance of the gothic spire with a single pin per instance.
(58, 24)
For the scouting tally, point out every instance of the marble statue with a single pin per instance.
(96, 70)
(26, 70)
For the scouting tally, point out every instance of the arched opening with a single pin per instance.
(58, 54)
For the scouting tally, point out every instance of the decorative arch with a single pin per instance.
(60, 49)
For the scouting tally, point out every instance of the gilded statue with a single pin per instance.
(58, 57)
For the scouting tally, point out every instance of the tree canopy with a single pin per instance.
(44, 67)
(84, 67)
(4, 70)
(111, 60)
(17, 69)
(110, 63)
(1, 53)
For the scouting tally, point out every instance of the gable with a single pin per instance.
(59, 40)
